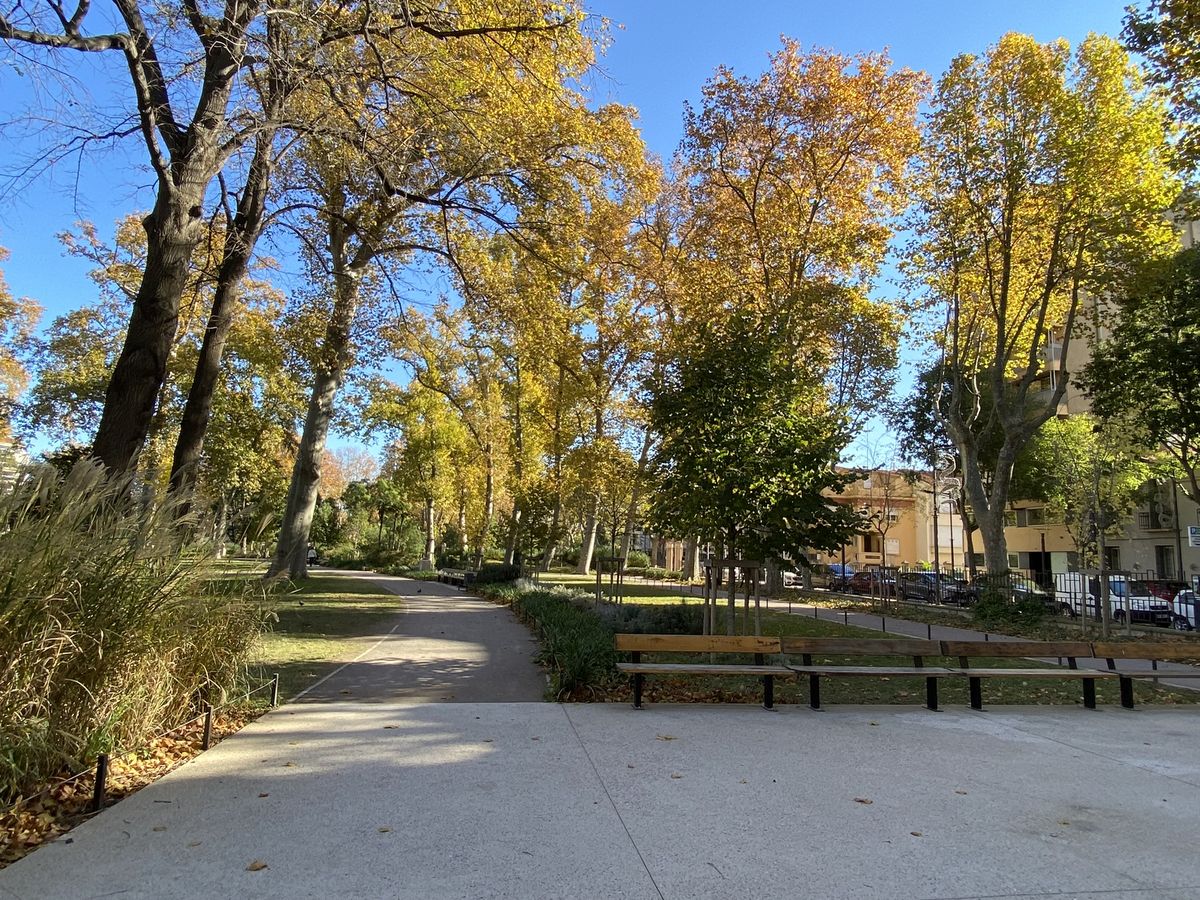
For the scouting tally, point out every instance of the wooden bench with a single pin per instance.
(914, 649)
(1068, 650)
(637, 644)
(1111, 651)
(455, 577)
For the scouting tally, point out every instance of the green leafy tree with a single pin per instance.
(742, 459)
(1167, 34)
(1148, 373)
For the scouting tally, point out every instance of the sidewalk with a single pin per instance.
(538, 800)
(395, 791)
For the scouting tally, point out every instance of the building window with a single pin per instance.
(872, 543)
(1164, 561)
(1143, 519)
(1112, 558)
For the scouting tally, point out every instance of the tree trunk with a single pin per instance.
(635, 496)
(514, 536)
(222, 525)
(427, 561)
(291, 550)
(691, 559)
(552, 538)
(489, 506)
(589, 538)
(173, 229)
(463, 548)
(241, 235)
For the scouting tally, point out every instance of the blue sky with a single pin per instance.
(661, 54)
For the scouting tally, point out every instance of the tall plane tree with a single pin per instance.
(1042, 176)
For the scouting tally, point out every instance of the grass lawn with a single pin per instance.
(322, 623)
(776, 621)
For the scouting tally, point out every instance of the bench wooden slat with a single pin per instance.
(898, 671)
(1063, 672)
(1156, 673)
(862, 646)
(1015, 649)
(1145, 650)
(696, 643)
(699, 669)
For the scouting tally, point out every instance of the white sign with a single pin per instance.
(1194, 535)
(893, 546)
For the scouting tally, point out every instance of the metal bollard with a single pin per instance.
(928, 631)
(883, 623)
(101, 781)
(845, 617)
(206, 741)
(275, 689)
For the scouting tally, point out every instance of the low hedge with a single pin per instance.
(576, 634)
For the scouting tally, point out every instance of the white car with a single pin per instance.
(1185, 610)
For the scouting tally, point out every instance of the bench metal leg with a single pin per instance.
(638, 678)
(1126, 692)
(814, 691)
(768, 692)
(976, 686)
(1089, 693)
(931, 693)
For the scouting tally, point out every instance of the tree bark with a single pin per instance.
(427, 561)
(691, 559)
(588, 547)
(635, 496)
(291, 550)
(489, 506)
(241, 235)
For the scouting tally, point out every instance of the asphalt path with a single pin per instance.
(444, 646)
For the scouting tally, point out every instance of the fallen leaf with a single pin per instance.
(195, 843)
(257, 866)
(159, 828)
(665, 737)
(489, 740)
(676, 775)
(863, 800)
(343, 692)
(383, 829)
(289, 764)
(872, 723)
(264, 795)
(386, 727)
(1064, 822)
(629, 765)
(915, 833)
(960, 792)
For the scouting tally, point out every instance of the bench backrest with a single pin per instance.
(1016, 649)
(1146, 650)
(861, 646)
(695, 643)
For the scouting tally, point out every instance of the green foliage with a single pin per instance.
(110, 627)
(1165, 34)
(493, 573)
(577, 646)
(637, 559)
(634, 618)
(1148, 374)
(743, 457)
(997, 607)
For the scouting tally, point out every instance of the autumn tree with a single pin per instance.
(788, 186)
(18, 318)
(1042, 176)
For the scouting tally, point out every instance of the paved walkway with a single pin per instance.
(538, 800)
(444, 646)
(392, 792)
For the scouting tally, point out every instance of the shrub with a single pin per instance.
(490, 573)
(637, 560)
(633, 618)
(111, 627)
(577, 646)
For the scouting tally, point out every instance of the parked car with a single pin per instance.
(1185, 610)
(838, 576)
(928, 587)
(872, 584)
(1017, 589)
(792, 579)
(1146, 605)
